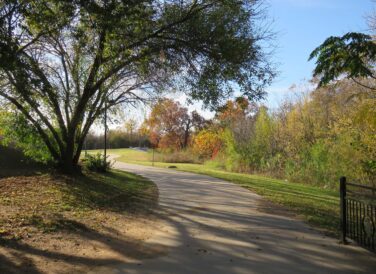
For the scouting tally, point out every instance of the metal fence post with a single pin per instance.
(342, 194)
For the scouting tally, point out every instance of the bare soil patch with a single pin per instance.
(56, 224)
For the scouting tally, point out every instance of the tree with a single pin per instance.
(166, 124)
(63, 62)
(207, 143)
(169, 124)
(15, 131)
(262, 143)
(352, 55)
(130, 127)
(194, 121)
(238, 116)
(233, 110)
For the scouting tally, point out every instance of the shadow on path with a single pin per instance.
(212, 226)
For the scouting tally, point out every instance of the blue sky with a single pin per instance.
(302, 25)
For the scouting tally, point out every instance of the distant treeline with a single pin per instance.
(315, 138)
(116, 139)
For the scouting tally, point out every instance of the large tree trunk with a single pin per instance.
(68, 166)
(67, 163)
(186, 134)
(74, 140)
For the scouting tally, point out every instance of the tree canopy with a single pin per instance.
(352, 55)
(62, 63)
(169, 125)
(313, 138)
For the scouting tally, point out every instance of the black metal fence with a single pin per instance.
(358, 213)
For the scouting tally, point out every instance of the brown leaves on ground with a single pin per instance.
(57, 224)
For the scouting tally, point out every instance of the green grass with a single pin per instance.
(319, 207)
(127, 154)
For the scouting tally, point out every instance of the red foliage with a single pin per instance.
(169, 125)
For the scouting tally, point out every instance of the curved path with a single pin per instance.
(213, 226)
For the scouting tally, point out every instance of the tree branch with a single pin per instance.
(363, 85)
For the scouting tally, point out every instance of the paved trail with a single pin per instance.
(213, 226)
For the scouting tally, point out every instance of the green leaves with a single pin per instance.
(73, 56)
(16, 130)
(352, 55)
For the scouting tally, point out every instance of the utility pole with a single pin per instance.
(86, 147)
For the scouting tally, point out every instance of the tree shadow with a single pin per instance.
(265, 243)
(14, 163)
(112, 192)
(10, 267)
(218, 228)
(124, 247)
(92, 193)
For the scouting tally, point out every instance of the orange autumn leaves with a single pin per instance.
(170, 125)
(207, 143)
(315, 137)
(171, 128)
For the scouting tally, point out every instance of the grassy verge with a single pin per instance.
(319, 207)
(51, 203)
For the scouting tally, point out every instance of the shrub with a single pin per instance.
(207, 143)
(97, 162)
(17, 132)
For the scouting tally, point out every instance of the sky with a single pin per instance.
(301, 26)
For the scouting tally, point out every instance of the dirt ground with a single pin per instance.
(41, 233)
(79, 252)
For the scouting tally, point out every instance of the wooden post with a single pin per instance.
(342, 195)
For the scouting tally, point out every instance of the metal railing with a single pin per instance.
(358, 213)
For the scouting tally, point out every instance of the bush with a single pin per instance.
(206, 144)
(17, 132)
(97, 163)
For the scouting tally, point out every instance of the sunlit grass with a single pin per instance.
(127, 155)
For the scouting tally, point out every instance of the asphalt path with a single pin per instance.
(212, 226)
